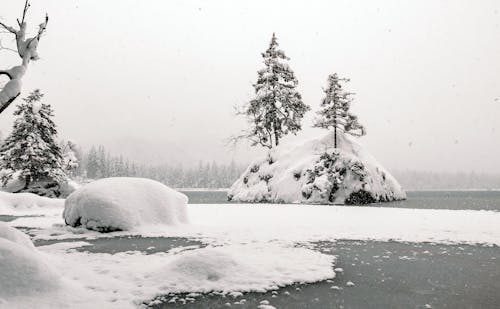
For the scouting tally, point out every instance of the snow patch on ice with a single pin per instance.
(129, 279)
(243, 268)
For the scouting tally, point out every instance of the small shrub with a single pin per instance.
(254, 169)
(360, 197)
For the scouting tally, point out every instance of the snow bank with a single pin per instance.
(121, 203)
(19, 202)
(315, 172)
(23, 270)
(15, 236)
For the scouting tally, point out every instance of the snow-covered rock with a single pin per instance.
(122, 203)
(15, 236)
(23, 270)
(316, 172)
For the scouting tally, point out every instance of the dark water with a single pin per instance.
(475, 200)
(148, 245)
(385, 275)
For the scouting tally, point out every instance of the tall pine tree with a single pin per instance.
(334, 112)
(31, 150)
(277, 108)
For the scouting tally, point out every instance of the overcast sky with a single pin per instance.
(165, 75)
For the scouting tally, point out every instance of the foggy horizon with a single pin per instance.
(165, 77)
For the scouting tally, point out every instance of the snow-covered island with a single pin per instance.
(317, 173)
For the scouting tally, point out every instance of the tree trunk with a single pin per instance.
(28, 182)
(335, 136)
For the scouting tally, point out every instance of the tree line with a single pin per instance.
(97, 163)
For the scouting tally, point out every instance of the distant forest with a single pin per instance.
(98, 163)
(418, 180)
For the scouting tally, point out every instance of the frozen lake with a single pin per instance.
(474, 200)
(384, 274)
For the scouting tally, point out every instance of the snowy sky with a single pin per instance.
(159, 79)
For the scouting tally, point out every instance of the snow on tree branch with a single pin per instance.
(335, 109)
(277, 107)
(27, 51)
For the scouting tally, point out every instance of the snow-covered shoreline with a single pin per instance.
(295, 223)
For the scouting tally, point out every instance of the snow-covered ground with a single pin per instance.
(294, 223)
(251, 247)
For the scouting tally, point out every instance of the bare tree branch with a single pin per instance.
(5, 105)
(7, 48)
(6, 73)
(27, 51)
(8, 28)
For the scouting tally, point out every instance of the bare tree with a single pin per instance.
(27, 50)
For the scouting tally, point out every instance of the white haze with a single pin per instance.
(157, 80)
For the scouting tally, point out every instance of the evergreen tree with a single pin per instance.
(335, 112)
(277, 108)
(31, 150)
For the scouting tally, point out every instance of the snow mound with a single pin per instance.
(243, 268)
(24, 272)
(26, 201)
(15, 236)
(317, 173)
(121, 204)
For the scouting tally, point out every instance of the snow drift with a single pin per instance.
(316, 172)
(23, 270)
(15, 236)
(121, 203)
(26, 201)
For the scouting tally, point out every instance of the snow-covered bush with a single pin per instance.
(316, 172)
(23, 270)
(121, 203)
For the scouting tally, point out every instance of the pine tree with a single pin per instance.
(335, 108)
(31, 150)
(277, 108)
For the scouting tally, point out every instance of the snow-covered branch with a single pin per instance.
(27, 51)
